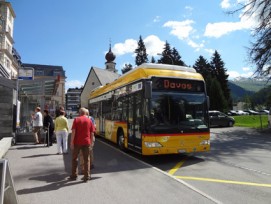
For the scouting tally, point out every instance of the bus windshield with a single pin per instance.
(175, 112)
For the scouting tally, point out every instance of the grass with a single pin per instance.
(252, 121)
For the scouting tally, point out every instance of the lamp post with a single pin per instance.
(167, 56)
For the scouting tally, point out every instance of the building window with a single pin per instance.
(39, 73)
(8, 64)
(93, 83)
(57, 73)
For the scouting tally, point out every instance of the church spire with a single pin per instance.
(110, 57)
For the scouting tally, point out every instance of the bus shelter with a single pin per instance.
(33, 93)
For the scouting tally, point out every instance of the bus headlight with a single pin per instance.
(205, 142)
(152, 144)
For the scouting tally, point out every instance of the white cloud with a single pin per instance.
(181, 29)
(245, 69)
(156, 19)
(225, 4)
(74, 84)
(128, 46)
(209, 51)
(196, 46)
(153, 45)
(184, 31)
(222, 28)
(188, 12)
(247, 75)
(235, 74)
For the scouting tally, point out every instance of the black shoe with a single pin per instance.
(72, 178)
(84, 179)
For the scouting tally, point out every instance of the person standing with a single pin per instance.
(61, 129)
(48, 124)
(37, 125)
(81, 140)
(91, 151)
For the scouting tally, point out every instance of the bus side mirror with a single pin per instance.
(148, 89)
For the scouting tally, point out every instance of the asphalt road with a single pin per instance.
(236, 170)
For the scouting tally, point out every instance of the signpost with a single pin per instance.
(26, 73)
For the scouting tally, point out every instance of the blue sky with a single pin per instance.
(76, 34)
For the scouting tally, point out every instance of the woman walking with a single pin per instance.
(61, 129)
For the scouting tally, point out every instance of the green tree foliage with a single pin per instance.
(260, 50)
(262, 97)
(219, 72)
(167, 57)
(176, 57)
(217, 99)
(141, 54)
(153, 60)
(202, 66)
(126, 68)
(247, 102)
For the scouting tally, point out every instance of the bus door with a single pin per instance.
(134, 122)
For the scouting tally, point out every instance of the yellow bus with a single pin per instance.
(154, 109)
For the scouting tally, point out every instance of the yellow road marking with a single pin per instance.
(176, 167)
(223, 181)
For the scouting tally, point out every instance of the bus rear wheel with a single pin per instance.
(121, 140)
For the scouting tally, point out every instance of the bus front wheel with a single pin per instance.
(121, 139)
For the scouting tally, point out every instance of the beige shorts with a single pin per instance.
(36, 129)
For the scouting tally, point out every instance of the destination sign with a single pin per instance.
(173, 84)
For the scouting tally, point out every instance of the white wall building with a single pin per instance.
(8, 66)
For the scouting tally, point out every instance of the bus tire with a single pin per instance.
(121, 139)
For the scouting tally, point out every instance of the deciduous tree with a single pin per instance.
(260, 49)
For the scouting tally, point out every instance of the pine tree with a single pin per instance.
(153, 60)
(167, 57)
(202, 66)
(217, 99)
(176, 57)
(219, 72)
(126, 68)
(141, 54)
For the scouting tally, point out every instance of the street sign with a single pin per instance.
(26, 74)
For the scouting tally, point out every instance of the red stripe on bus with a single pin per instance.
(176, 134)
(120, 122)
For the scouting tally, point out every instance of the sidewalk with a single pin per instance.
(40, 176)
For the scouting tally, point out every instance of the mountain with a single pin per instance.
(241, 86)
(237, 92)
(252, 84)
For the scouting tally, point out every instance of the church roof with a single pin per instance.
(105, 76)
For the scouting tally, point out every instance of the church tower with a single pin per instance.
(110, 65)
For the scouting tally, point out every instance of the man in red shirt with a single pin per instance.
(82, 139)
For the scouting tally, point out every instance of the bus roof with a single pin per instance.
(145, 71)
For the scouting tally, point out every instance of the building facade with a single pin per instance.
(8, 65)
(46, 90)
(73, 100)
